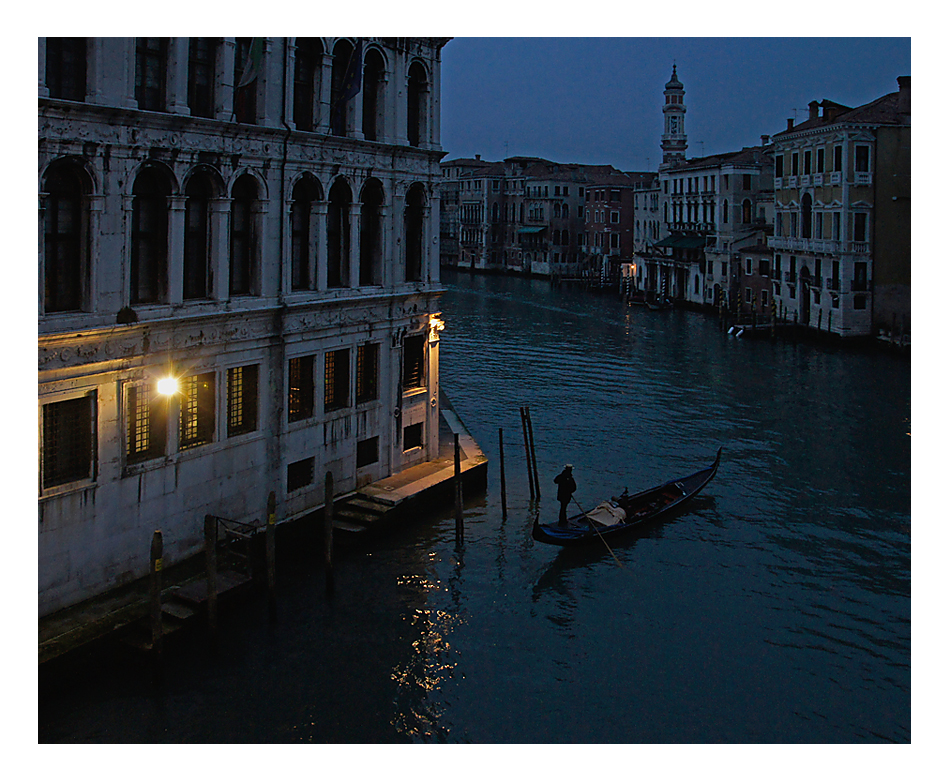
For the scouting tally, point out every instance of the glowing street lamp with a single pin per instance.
(168, 386)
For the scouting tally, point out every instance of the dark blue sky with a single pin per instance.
(599, 100)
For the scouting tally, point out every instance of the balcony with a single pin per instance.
(862, 178)
(832, 283)
(817, 180)
(835, 177)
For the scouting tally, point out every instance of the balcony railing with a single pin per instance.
(833, 283)
(862, 178)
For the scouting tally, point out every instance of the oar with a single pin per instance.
(594, 526)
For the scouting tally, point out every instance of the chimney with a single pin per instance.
(813, 110)
(477, 156)
(903, 97)
(765, 140)
(791, 124)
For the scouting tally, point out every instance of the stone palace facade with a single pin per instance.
(254, 222)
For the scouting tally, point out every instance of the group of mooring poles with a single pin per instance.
(530, 456)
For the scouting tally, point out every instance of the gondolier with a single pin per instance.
(566, 487)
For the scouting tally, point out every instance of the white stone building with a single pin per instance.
(258, 219)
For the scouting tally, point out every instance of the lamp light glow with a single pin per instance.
(168, 386)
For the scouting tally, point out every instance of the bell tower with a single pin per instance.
(673, 142)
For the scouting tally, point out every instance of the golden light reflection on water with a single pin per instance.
(431, 664)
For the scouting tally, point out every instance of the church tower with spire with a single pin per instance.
(673, 142)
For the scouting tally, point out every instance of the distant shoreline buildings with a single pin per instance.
(812, 224)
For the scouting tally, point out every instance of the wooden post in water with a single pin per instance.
(501, 463)
(155, 600)
(527, 451)
(211, 572)
(534, 456)
(328, 530)
(459, 526)
(269, 533)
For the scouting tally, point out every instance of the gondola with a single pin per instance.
(624, 512)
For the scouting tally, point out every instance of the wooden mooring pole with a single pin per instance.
(534, 455)
(269, 533)
(211, 572)
(501, 464)
(459, 526)
(155, 601)
(328, 530)
(527, 451)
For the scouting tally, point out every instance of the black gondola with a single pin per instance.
(626, 511)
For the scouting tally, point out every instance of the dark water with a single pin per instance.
(775, 609)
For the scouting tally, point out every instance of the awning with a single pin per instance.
(531, 230)
(681, 241)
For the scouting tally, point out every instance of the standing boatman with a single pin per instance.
(566, 487)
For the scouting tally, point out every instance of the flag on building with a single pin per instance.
(252, 65)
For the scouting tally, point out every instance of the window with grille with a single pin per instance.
(336, 388)
(300, 388)
(413, 362)
(367, 372)
(66, 68)
(151, 65)
(68, 441)
(196, 413)
(145, 422)
(242, 399)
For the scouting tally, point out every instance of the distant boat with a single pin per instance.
(626, 511)
(659, 303)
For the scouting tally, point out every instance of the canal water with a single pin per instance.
(776, 608)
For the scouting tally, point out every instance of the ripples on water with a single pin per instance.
(775, 609)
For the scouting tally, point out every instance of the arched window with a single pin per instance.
(149, 267)
(746, 211)
(373, 109)
(302, 227)
(196, 272)
(806, 216)
(416, 104)
(243, 236)
(344, 84)
(66, 68)
(65, 234)
(371, 234)
(202, 58)
(338, 235)
(151, 68)
(415, 231)
(307, 69)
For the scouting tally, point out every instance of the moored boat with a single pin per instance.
(625, 511)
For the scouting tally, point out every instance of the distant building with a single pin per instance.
(259, 220)
(521, 215)
(842, 206)
(709, 209)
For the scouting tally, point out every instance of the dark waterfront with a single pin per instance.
(776, 608)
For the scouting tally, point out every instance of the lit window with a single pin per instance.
(196, 413)
(146, 417)
(300, 388)
(336, 388)
(242, 399)
(68, 451)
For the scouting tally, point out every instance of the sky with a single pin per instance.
(599, 100)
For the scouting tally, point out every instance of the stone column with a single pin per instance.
(176, 249)
(224, 95)
(354, 270)
(320, 279)
(386, 245)
(321, 122)
(176, 96)
(96, 206)
(220, 248)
